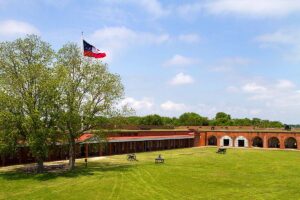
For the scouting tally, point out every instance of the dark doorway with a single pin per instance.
(273, 142)
(212, 141)
(257, 142)
(226, 142)
(82, 150)
(290, 143)
(241, 143)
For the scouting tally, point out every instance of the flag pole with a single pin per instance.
(82, 42)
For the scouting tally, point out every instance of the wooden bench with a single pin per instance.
(159, 160)
(221, 151)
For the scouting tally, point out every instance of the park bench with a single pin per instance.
(131, 157)
(221, 150)
(159, 159)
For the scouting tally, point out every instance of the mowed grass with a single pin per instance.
(194, 173)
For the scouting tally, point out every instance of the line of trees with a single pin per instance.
(48, 97)
(194, 119)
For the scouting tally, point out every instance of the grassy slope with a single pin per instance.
(196, 173)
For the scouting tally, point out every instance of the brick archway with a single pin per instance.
(226, 141)
(241, 141)
(273, 142)
(290, 143)
(257, 142)
(212, 141)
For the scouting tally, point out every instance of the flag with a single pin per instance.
(91, 51)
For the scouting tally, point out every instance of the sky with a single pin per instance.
(241, 57)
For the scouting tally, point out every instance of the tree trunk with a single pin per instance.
(3, 159)
(40, 165)
(72, 153)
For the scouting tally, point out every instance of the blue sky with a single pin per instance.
(237, 56)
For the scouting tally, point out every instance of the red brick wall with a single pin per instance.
(265, 136)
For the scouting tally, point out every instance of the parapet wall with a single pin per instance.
(243, 138)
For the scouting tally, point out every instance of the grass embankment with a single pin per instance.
(195, 173)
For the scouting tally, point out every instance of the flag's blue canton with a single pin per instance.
(87, 46)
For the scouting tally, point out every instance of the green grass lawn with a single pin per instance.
(194, 173)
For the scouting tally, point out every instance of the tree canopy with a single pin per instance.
(194, 119)
(87, 90)
(45, 94)
(26, 80)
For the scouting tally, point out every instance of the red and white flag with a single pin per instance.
(91, 51)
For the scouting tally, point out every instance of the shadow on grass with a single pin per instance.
(80, 170)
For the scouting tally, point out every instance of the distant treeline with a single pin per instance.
(194, 119)
(295, 126)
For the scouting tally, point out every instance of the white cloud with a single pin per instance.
(171, 106)
(285, 101)
(153, 7)
(285, 84)
(181, 79)
(115, 39)
(236, 61)
(232, 89)
(286, 40)
(189, 11)
(16, 28)
(57, 4)
(281, 94)
(236, 111)
(179, 60)
(280, 37)
(255, 112)
(221, 68)
(245, 8)
(253, 8)
(254, 88)
(189, 38)
(143, 104)
(227, 64)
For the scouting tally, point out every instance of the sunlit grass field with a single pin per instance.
(194, 173)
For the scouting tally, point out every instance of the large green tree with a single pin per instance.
(192, 119)
(26, 79)
(152, 120)
(9, 134)
(88, 90)
(222, 119)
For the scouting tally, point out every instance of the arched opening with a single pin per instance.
(273, 142)
(226, 141)
(290, 143)
(257, 142)
(241, 141)
(212, 140)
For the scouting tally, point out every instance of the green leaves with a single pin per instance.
(28, 92)
(155, 120)
(43, 93)
(190, 119)
(88, 89)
